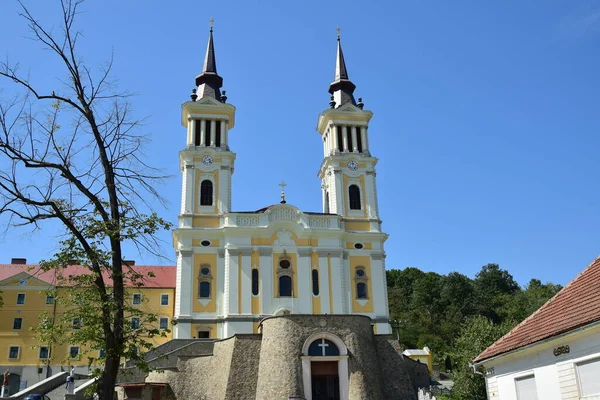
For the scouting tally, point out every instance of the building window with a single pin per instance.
(206, 193)
(197, 132)
(137, 299)
(218, 133)
(135, 323)
(361, 290)
(76, 323)
(340, 138)
(13, 352)
(205, 290)
(285, 286)
(315, 282)
(74, 352)
(17, 323)
(44, 353)
(101, 353)
(323, 347)
(526, 388)
(587, 375)
(164, 299)
(163, 323)
(204, 282)
(284, 264)
(359, 141)
(354, 196)
(255, 282)
(349, 136)
(207, 133)
(20, 298)
(49, 299)
(203, 334)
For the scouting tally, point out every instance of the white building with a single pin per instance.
(236, 267)
(554, 354)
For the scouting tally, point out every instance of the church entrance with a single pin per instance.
(325, 380)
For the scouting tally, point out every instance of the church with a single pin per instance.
(278, 303)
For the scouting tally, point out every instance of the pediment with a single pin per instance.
(349, 107)
(24, 279)
(208, 100)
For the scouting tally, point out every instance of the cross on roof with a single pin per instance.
(212, 22)
(338, 29)
(283, 185)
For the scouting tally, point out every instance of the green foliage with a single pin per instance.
(432, 309)
(476, 334)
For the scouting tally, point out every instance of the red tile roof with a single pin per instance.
(164, 276)
(576, 305)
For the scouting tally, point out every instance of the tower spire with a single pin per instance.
(209, 82)
(341, 88)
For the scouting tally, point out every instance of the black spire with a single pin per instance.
(341, 88)
(209, 82)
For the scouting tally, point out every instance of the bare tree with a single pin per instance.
(74, 156)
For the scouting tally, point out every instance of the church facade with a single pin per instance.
(235, 268)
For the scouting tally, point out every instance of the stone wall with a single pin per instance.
(269, 366)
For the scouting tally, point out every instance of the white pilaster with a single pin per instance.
(246, 290)
(336, 284)
(213, 131)
(202, 132)
(304, 302)
(324, 282)
(345, 138)
(223, 134)
(377, 281)
(223, 201)
(184, 284)
(336, 145)
(339, 192)
(266, 280)
(354, 142)
(193, 132)
(372, 210)
(363, 135)
(233, 277)
(187, 192)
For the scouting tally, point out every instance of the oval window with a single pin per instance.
(205, 271)
(205, 243)
(285, 264)
(360, 272)
(358, 246)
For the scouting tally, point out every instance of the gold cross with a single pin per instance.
(338, 29)
(212, 21)
(283, 185)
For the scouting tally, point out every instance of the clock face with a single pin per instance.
(352, 165)
(207, 160)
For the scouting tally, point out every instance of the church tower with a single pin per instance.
(235, 268)
(207, 165)
(348, 170)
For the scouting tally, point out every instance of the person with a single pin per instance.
(6, 374)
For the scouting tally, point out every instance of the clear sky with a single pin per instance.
(487, 114)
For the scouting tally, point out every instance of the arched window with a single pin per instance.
(354, 196)
(204, 290)
(361, 290)
(285, 286)
(315, 282)
(206, 193)
(323, 347)
(255, 282)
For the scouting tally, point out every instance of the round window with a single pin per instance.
(358, 246)
(360, 272)
(285, 264)
(205, 243)
(205, 271)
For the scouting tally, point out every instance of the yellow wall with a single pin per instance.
(365, 262)
(211, 261)
(294, 267)
(35, 306)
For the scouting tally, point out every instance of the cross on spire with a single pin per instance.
(338, 29)
(212, 23)
(283, 185)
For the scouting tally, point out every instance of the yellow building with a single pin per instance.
(25, 293)
(423, 356)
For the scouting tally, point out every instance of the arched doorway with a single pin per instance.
(325, 367)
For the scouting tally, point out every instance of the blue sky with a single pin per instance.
(486, 114)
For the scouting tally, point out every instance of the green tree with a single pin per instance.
(493, 287)
(74, 156)
(476, 335)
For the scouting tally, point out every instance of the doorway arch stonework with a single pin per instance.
(342, 360)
